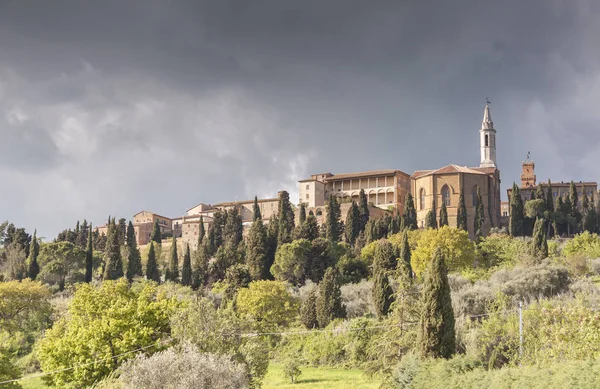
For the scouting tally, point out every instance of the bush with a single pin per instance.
(291, 368)
(457, 248)
(585, 244)
(267, 304)
(500, 249)
(358, 299)
(181, 369)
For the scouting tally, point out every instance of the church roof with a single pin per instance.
(449, 169)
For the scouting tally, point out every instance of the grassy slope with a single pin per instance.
(314, 378)
(33, 383)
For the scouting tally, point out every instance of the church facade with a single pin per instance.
(432, 188)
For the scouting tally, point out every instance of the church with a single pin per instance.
(432, 188)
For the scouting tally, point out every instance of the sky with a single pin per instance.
(112, 107)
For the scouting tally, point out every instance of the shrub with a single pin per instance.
(533, 282)
(291, 368)
(183, 368)
(500, 249)
(457, 249)
(267, 305)
(358, 299)
(585, 244)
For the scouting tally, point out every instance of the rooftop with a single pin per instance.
(449, 169)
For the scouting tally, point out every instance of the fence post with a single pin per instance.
(521, 328)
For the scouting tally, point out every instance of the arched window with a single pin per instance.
(446, 195)
(422, 199)
(487, 143)
(475, 196)
(319, 212)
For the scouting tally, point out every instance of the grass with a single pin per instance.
(315, 378)
(311, 378)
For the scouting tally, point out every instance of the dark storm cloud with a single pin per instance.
(116, 106)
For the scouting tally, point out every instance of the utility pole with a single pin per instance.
(521, 328)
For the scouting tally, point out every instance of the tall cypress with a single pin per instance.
(186, 267)
(430, 221)
(308, 310)
(201, 231)
(437, 336)
(233, 230)
(443, 215)
(539, 243)
(383, 295)
(479, 216)
(517, 217)
(172, 273)
(256, 210)
(410, 213)
(404, 265)
(134, 259)
(332, 222)
(89, 257)
(363, 209)
(113, 263)
(461, 213)
(352, 225)
(302, 214)
(540, 193)
(549, 198)
(573, 195)
(329, 301)
(285, 219)
(310, 228)
(33, 268)
(200, 267)
(122, 231)
(384, 258)
(152, 272)
(156, 235)
(257, 250)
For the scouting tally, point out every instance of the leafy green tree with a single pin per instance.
(201, 231)
(457, 248)
(172, 272)
(134, 258)
(61, 263)
(332, 221)
(352, 224)
(322, 254)
(152, 272)
(302, 214)
(404, 262)
(89, 258)
(156, 235)
(103, 325)
(410, 212)
(236, 277)
(285, 218)
(257, 251)
(383, 295)
(430, 220)
(267, 305)
(539, 244)
(363, 209)
(8, 372)
(329, 301)
(82, 237)
(113, 263)
(443, 215)
(186, 267)
(461, 213)
(33, 268)
(308, 311)
(479, 216)
(256, 210)
(385, 257)
(516, 219)
(436, 336)
(291, 262)
(24, 305)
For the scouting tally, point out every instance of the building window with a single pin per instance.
(307, 196)
(475, 195)
(422, 199)
(307, 186)
(446, 195)
(486, 141)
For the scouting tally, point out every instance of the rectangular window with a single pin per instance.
(307, 186)
(307, 196)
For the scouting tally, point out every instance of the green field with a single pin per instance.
(311, 378)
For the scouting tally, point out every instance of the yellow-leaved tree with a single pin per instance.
(457, 249)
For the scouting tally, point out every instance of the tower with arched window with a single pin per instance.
(487, 139)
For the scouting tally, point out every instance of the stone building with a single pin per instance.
(529, 186)
(384, 188)
(431, 188)
(143, 223)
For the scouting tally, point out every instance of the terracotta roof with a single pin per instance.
(371, 173)
(487, 170)
(449, 169)
(208, 205)
(155, 214)
(558, 185)
(245, 202)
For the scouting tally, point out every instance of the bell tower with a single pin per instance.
(487, 139)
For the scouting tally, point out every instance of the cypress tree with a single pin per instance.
(539, 243)
(285, 218)
(479, 216)
(302, 215)
(152, 272)
(443, 215)
(256, 251)
(156, 235)
(308, 310)
(134, 263)
(549, 198)
(363, 209)
(233, 230)
(209, 244)
(201, 231)
(186, 267)
(89, 257)
(82, 237)
(122, 231)
(332, 222)
(430, 221)
(329, 301)
(172, 273)
(310, 228)
(517, 218)
(352, 224)
(404, 261)
(383, 295)
(385, 257)
(217, 226)
(113, 267)
(272, 235)
(585, 202)
(437, 337)
(573, 196)
(200, 267)
(33, 268)
(410, 213)
(461, 213)
(256, 209)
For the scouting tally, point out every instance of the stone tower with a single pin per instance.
(528, 177)
(487, 139)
